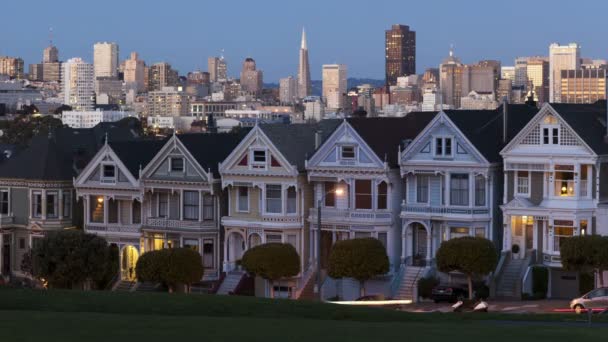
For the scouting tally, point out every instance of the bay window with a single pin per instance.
(382, 195)
(37, 204)
(291, 200)
(191, 205)
(459, 189)
(480, 190)
(363, 194)
(4, 202)
(242, 203)
(563, 180)
(273, 199)
(208, 207)
(422, 188)
(52, 204)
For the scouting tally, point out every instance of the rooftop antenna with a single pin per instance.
(51, 36)
(222, 54)
(451, 49)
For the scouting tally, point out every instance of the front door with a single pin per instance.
(518, 236)
(129, 261)
(419, 244)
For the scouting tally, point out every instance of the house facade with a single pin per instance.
(554, 181)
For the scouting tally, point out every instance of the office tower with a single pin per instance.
(78, 84)
(50, 54)
(162, 75)
(212, 63)
(537, 75)
(222, 70)
(334, 85)
(11, 66)
(105, 59)
(35, 72)
(561, 57)
(109, 90)
(400, 53)
(521, 65)
(450, 80)
(583, 85)
(251, 78)
(134, 73)
(481, 77)
(287, 90)
(197, 77)
(303, 69)
(168, 101)
(507, 73)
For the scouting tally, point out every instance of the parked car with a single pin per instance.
(596, 299)
(448, 293)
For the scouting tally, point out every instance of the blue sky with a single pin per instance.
(186, 32)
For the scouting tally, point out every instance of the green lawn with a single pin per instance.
(105, 316)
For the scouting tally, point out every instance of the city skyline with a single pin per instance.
(274, 43)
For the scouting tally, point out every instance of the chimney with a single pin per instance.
(505, 120)
(318, 139)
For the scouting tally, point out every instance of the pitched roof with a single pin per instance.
(60, 156)
(136, 154)
(589, 122)
(209, 149)
(296, 142)
(484, 128)
(384, 135)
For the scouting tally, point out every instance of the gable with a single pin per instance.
(116, 173)
(174, 162)
(547, 133)
(441, 142)
(345, 148)
(257, 154)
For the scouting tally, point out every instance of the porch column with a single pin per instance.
(181, 204)
(43, 204)
(447, 188)
(471, 189)
(105, 209)
(429, 243)
(403, 236)
(507, 232)
(589, 181)
(200, 206)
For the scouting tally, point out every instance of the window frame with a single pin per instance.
(171, 165)
(359, 194)
(419, 190)
(166, 202)
(553, 136)
(238, 199)
(354, 152)
(208, 201)
(517, 186)
(294, 199)
(191, 205)
(478, 193)
(330, 200)
(278, 188)
(440, 145)
(465, 190)
(108, 179)
(66, 202)
(36, 205)
(4, 202)
(260, 165)
(380, 195)
(54, 205)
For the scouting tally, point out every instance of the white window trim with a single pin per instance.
(428, 189)
(355, 152)
(550, 127)
(253, 165)
(171, 164)
(103, 178)
(485, 191)
(354, 195)
(516, 187)
(443, 139)
(238, 197)
(8, 198)
(32, 211)
(282, 200)
(285, 198)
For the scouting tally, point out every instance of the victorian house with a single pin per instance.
(361, 159)
(150, 195)
(37, 192)
(554, 188)
(269, 198)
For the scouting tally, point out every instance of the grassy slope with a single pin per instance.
(105, 316)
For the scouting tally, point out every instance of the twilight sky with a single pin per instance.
(186, 32)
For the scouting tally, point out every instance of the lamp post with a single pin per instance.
(339, 192)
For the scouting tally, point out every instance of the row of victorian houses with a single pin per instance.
(517, 175)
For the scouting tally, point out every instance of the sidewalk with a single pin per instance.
(529, 306)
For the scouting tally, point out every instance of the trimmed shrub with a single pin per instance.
(482, 291)
(586, 282)
(272, 261)
(173, 267)
(426, 285)
(540, 281)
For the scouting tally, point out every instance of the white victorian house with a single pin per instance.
(554, 188)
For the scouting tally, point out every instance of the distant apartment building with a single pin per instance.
(217, 68)
(110, 89)
(561, 57)
(11, 66)
(169, 101)
(507, 73)
(134, 73)
(334, 85)
(78, 85)
(478, 100)
(251, 77)
(400, 53)
(450, 80)
(105, 59)
(537, 76)
(89, 119)
(583, 85)
(162, 75)
(287, 90)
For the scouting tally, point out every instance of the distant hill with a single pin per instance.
(317, 85)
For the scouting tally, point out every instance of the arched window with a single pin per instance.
(254, 240)
(382, 195)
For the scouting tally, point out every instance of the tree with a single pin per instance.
(272, 261)
(20, 130)
(71, 258)
(360, 259)
(112, 267)
(469, 255)
(587, 253)
(172, 267)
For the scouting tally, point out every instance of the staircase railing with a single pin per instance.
(303, 281)
(397, 279)
(414, 285)
(495, 277)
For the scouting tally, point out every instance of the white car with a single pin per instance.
(596, 299)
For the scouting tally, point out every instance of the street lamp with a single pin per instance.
(337, 191)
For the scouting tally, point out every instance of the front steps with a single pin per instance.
(408, 283)
(509, 283)
(230, 282)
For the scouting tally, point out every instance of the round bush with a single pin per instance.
(272, 261)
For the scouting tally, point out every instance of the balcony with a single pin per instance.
(442, 211)
(178, 225)
(350, 216)
(113, 228)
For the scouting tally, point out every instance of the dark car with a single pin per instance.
(448, 293)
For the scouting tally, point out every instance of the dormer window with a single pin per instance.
(259, 159)
(443, 147)
(177, 164)
(550, 130)
(347, 152)
(108, 173)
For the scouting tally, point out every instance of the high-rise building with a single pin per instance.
(304, 87)
(400, 53)
(168, 101)
(334, 85)
(212, 63)
(78, 84)
(287, 90)
(561, 57)
(507, 73)
(11, 66)
(105, 59)
(521, 65)
(251, 77)
(50, 54)
(222, 70)
(537, 76)
(583, 85)
(134, 73)
(481, 77)
(450, 80)
(162, 75)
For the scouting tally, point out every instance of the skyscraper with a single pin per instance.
(50, 54)
(11, 66)
(251, 78)
(162, 75)
(400, 53)
(303, 69)
(537, 75)
(134, 73)
(78, 84)
(287, 90)
(583, 85)
(334, 85)
(450, 80)
(105, 59)
(561, 57)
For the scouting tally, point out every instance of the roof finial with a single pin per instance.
(304, 45)
(106, 142)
